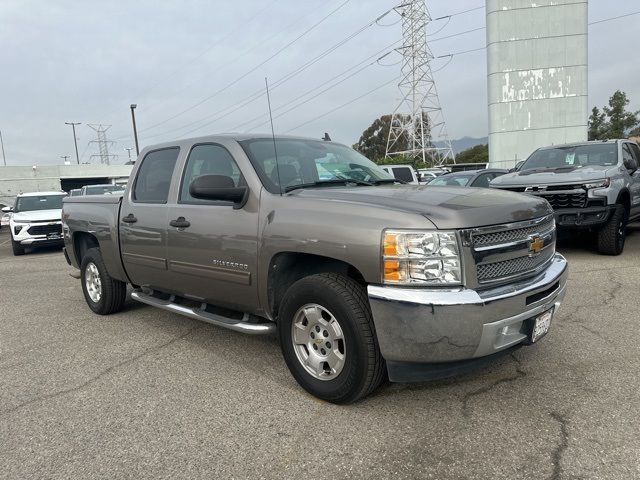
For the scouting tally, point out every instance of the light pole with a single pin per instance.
(128, 149)
(65, 158)
(135, 131)
(75, 140)
(4, 159)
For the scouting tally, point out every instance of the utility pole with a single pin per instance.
(75, 140)
(418, 121)
(4, 159)
(135, 131)
(65, 158)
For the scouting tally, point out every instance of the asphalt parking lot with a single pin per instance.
(149, 394)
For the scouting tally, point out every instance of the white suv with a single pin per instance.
(36, 220)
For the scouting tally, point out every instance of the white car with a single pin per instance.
(36, 220)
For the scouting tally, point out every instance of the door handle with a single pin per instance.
(129, 219)
(180, 222)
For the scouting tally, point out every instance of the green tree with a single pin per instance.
(597, 124)
(475, 154)
(373, 141)
(620, 120)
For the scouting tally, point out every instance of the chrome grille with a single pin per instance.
(499, 253)
(508, 236)
(515, 266)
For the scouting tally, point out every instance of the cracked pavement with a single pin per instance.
(148, 394)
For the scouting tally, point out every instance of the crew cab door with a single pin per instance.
(144, 219)
(212, 254)
(631, 157)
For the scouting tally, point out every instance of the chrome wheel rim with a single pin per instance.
(92, 282)
(318, 342)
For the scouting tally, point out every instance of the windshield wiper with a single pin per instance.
(322, 183)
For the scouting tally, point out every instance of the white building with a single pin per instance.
(21, 179)
(537, 76)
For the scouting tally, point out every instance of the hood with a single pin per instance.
(37, 215)
(548, 177)
(446, 207)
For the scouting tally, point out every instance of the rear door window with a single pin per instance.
(403, 173)
(154, 176)
(627, 157)
(635, 150)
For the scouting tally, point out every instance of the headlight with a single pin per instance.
(604, 183)
(426, 257)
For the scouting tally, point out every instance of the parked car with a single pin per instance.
(36, 220)
(5, 216)
(105, 189)
(468, 178)
(360, 276)
(592, 186)
(76, 192)
(404, 173)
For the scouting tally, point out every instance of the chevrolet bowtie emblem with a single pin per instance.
(536, 244)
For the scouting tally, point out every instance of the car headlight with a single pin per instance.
(420, 258)
(604, 183)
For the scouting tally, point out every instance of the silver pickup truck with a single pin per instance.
(592, 187)
(361, 277)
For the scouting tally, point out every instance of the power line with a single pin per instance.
(236, 58)
(319, 87)
(344, 104)
(244, 75)
(218, 115)
(615, 18)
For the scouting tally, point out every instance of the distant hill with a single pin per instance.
(464, 143)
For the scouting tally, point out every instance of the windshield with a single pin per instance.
(455, 180)
(44, 202)
(101, 189)
(598, 154)
(307, 162)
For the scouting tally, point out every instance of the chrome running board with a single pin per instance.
(243, 325)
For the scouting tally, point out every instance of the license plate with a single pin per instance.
(541, 325)
(53, 236)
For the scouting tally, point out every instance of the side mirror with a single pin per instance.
(7, 209)
(219, 187)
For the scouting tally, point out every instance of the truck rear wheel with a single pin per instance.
(17, 247)
(328, 338)
(612, 236)
(103, 294)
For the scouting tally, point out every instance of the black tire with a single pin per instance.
(611, 237)
(17, 248)
(364, 368)
(113, 292)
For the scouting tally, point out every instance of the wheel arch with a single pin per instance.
(83, 241)
(286, 268)
(624, 199)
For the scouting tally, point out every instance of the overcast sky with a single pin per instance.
(88, 61)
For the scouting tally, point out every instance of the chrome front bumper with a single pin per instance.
(416, 325)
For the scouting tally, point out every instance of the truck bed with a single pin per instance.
(90, 220)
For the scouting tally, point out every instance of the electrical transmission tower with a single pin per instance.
(103, 143)
(418, 121)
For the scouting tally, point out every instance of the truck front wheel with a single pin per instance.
(328, 338)
(103, 294)
(612, 236)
